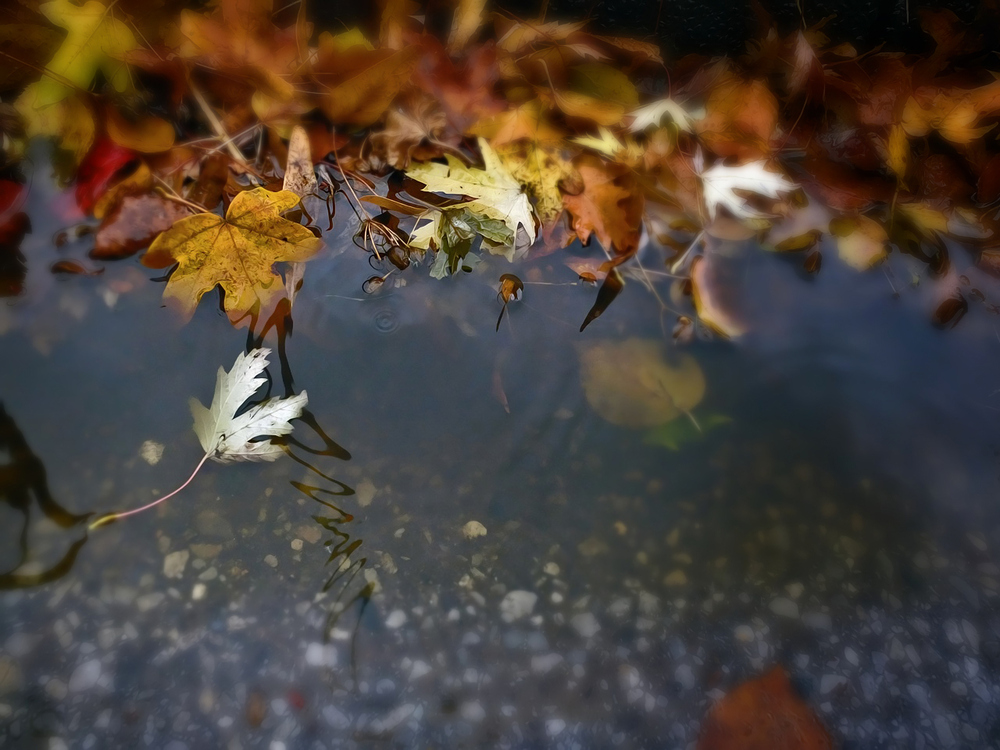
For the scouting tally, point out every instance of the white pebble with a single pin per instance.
(517, 604)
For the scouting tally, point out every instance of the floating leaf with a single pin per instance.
(721, 183)
(237, 252)
(861, 242)
(97, 41)
(498, 195)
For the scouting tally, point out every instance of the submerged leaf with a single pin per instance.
(227, 436)
(630, 383)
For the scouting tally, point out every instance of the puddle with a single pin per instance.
(842, 521)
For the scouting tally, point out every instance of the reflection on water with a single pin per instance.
(24, 489)
(839, 520)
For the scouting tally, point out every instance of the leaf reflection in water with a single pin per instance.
(23, 484)
(346, 591)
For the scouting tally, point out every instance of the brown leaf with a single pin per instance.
(133, 224)
(708, 300)
(740, 118)
(360, 84)
(763, 714)
(610, 205)
(411, 133)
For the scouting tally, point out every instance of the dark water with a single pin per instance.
(843, 524)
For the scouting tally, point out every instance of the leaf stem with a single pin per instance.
(101, 521)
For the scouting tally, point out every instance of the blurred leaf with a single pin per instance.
(630, 383)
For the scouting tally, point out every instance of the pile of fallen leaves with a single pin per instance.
(498, 135)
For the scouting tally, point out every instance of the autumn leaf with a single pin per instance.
(96, 42)
(540, 170)
(133, 223)
(610, 205)
(497, 194)
(359, 84)
(652, 114)
(861, 242)
(630, 383)
(227, 430)
(721, 183)
(740, 118)
(237, 252)
(763, 714)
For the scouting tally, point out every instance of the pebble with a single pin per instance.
(585, 624)
(473, 529)
(297, 544)
(419, 669)
(685, 676)
(321, 655)
(271, 560)
(517, 604)
(174, 563)
(11, 680)
(151, 452)
(743, 633)
(551, 569)
(554, 727)
(830, 682)
(146, 602)
(396, 619)
(473, 711)
(365, 492)
(784, 607)
(545, 663)
(199, 591)
(675, 578)
(85, 676)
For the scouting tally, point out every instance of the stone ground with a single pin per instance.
(615, 624)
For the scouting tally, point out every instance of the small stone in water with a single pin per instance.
(151, 452)
(271, 560)
(395, 619)
(473, 529)
(517, 604)
(174, 563)
(785, 607)
(365, 492)
(296, 544)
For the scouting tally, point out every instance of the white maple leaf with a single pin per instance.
(652, 114)
(497, 194)
(720, 183)
(227, 437)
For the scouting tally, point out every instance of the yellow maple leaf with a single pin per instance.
(97, 41)
(237, 252)
(539, 169)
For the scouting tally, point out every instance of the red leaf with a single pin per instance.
(104, 160)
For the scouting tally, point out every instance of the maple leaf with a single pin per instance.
(607, 143)
(237, 252)
(97, 41)
(720, 183)
(227, 435)
(652, 114)
(226, 432)
(497, 194)
(451, 232)
(539, 169)
(610, 205)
